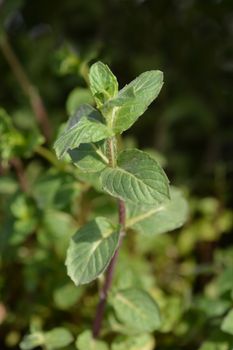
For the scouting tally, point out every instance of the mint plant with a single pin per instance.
(134, 178)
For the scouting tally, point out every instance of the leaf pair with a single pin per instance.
(93, 246)
(119, 110)
(122, 109)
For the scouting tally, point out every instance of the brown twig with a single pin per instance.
(28, 88)
(18, 166)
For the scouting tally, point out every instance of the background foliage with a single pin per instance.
(189, 272)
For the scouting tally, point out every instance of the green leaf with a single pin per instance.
(85, 341)
(132, 101)
(136, 309)
(225, 281)
(103, 83)
(77, 97)
(67, 296)
(91, 250)
(57, 338)
(138, 178)
(227, 324)
(85, 126)
(31, 341)
(139, 342)
(214, 345)
(8, 185)
(89, 157)
(165, 217)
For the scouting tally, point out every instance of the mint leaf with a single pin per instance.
(89, 157)
(103, 83)
(136, 309)
(67, 296)
(85, 341)
(159, 219)
(227, 324)
(138, 342)
(85, 126)
(57, 338)
(91, 250)
(78, 97)
(138, 178)
(132, 101)
(31, 341)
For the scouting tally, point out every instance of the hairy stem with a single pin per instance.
(109, 275)
(112, 155)
(28, 88)
(111, 150)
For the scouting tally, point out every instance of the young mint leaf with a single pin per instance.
(89, 157)
(91, 250)
(161, 218)
(85, 341)
(132, 101)
(103, 83)
(138, 178)
(136, 309)
(85, 126)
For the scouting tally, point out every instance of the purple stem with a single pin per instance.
(109, 275)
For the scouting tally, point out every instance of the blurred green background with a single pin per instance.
(189, 125)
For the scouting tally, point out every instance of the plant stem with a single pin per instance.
(112, 155)
(28, 88)
(19, 170)
(109, 274)
(111, 150)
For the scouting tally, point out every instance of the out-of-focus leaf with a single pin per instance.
(67, 296)
(57, 338)
(86, 341)
(136, 308)
(31, 341)
(139, 342)
(77, 97)
(227, 324)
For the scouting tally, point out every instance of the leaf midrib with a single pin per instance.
(138, 179)
(130, 304)
(93, 249)
(134, 220)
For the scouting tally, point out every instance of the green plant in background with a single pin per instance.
(161, 282)
(137, 181)
(44, 201)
